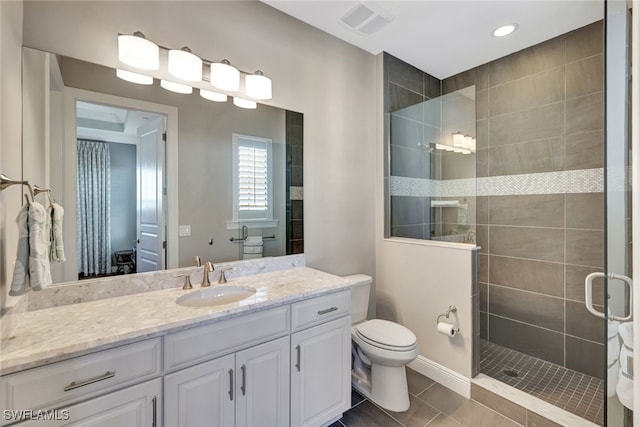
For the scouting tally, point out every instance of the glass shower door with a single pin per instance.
(618, 285)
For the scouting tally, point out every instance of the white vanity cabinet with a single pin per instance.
(321, 360)
(135, 406)
(287, 365)
(241, 372)
(62, 384)
(248, 388)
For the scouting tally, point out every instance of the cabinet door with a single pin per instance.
(262, 384)
(136, 406)
(201, 396)
(320, 373)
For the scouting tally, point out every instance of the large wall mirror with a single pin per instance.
(150, 179)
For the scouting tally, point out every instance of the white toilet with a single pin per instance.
(381, 349)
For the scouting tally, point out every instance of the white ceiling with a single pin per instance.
(445, 37)
(110, 123)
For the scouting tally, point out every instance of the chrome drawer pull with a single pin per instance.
(327, 310)
(75, 385)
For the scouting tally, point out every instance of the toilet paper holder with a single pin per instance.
(451, 309)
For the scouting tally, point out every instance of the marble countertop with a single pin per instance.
(58, 333)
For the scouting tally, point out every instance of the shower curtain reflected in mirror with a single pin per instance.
(94, 237)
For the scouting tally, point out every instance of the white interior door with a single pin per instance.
(151, 231)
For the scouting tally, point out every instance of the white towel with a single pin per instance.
(253, 241)
(624, 388)
(20, 282)
(253, 249)
(251, 256)
(613, 353)
(56, 253)
(39, 268)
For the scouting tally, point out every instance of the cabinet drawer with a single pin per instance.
(81, 377)
(204, 343)
(319, 310)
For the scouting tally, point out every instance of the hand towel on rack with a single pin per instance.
(253, 241)
(39, 268)
(624, 388)
(253, 249)
(20, 282)
(613, 353)
(57, 245)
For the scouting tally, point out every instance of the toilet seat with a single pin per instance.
(386, 335)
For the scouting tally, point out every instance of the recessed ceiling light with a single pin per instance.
(505, 30)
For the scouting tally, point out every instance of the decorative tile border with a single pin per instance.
(296, 193)
(563, 182)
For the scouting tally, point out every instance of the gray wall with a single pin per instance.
(123, 195)
(540, 110)
(10, 147)
(331, 82)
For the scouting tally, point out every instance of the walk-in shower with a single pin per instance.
(527, 156)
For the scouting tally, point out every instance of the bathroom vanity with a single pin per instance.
(278, 358)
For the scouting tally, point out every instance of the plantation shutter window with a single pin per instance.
(252, 174)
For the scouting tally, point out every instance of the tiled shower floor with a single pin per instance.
(572, 391)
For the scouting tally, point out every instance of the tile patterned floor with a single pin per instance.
(570, 390)
(432, 405)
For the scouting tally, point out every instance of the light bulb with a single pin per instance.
(140, 79)
(138, 52)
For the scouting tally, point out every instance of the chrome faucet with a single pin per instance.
(208, 268)
(196, 261)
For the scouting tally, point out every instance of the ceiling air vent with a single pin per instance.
(366, 18)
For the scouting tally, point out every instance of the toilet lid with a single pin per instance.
(386, 333)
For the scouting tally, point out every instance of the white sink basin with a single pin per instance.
(216, 295)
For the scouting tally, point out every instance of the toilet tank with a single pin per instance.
(359, 297)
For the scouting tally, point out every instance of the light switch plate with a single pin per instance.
(184, 230)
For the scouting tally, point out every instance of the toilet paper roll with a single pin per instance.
(447, 329)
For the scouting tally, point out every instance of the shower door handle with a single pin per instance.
(588, 295)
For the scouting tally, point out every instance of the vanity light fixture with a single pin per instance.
(176, 87)
(138, 52)
(213, 96)
(457, 139)
(135, 50)
(185, 65)
(140, 79)
(504, 30)
(466, 142)
(224, 76)
(257, 85)
(244, 103)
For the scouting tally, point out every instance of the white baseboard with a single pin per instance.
(443, 375)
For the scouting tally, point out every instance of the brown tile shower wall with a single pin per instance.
(405, 86)
(294, 200)
(541, 110)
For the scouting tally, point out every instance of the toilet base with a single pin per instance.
(388, 388)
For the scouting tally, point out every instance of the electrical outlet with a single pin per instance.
(184, 230)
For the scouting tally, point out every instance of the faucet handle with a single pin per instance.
(196, 261)
(187, 281)
(223, 277)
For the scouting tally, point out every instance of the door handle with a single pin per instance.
(298, 357)
(588, 295)
(230, 384)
